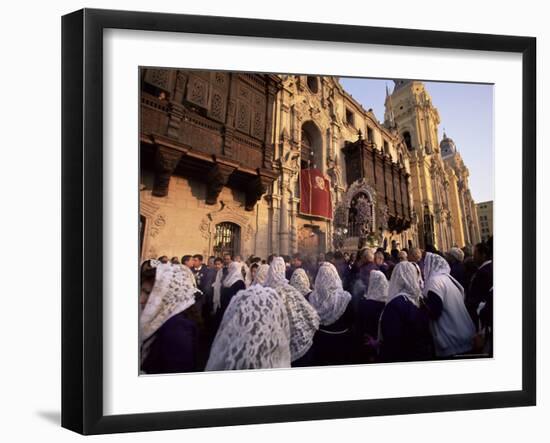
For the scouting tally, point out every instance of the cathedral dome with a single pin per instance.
(447, 146)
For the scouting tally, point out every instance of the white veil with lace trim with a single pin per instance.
(254, 333)
(328, 297)
(303, 319)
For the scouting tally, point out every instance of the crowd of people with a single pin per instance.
(331, 309)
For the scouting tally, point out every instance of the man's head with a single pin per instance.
(163, 259)
(297, 260)
(379, 258)
(237, 258)
(187, 260)
(211, 261)
(415, 255)
(329, 256)
(366, 256)
(270, 258)
(218, 263)
(175, 260)
(321, 257)
(402, 256)
(455, 255)
(227, 259)
(481, 253)
(338, 258)
(197, 260)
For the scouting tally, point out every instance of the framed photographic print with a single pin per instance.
(269, 221)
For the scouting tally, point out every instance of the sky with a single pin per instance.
(466, 113)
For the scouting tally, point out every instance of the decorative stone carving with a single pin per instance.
(226, 213)
(216, 180)
(197, 91)
(159, 78)
(166, 161)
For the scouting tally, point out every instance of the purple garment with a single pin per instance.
(364, 272)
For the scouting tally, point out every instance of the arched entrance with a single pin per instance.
(227, 239)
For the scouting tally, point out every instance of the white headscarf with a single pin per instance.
(300, 281)
(404, 281)
(254, 333)
(173, 292)
(234, 274)
(304, 320)
(434, 265)
(453, 330)
(378, 287)
(276, 273)
(329, 298)
(261, 274)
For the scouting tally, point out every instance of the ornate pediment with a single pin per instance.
(226, 213)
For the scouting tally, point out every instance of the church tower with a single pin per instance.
(417, 121)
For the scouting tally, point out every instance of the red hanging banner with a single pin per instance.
(315, 198)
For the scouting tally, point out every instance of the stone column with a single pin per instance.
(293, 224)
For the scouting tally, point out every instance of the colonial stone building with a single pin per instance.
(222, 154)
(442, 200)
(485, 215)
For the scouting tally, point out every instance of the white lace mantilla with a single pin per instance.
(300, 281)
(378, 287)
(254, 333)
(302, 317)
(329, 298)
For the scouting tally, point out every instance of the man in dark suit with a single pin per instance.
(479, 296)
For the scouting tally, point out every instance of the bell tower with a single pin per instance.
(417, 120)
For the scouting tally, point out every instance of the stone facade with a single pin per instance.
(485, 217)
(221, 155)
(442, 199)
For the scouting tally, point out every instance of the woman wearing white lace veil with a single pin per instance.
(404, 328)
(369, 309)
(261, 274)
(333, 342)
(303, 319)
(231, 284)
(169, 327)
(300, 281)
(254, 333)
(452, 327)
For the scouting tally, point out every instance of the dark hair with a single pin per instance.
(212, 257)
(270, 258)
(338, 255)
(405, 250)
(218, 259)
(254, 266)
(297, 256)
(228, 253)
(329, 256)
(286, 258)
(185, 258)
(380, 249)
(198, 256)
(161, 257)
(482, 248)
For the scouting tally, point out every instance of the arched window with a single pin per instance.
(313, 84)
(227, 239)
(407, 137)
(311, 147)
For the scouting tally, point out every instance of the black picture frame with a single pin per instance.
(82, 218)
